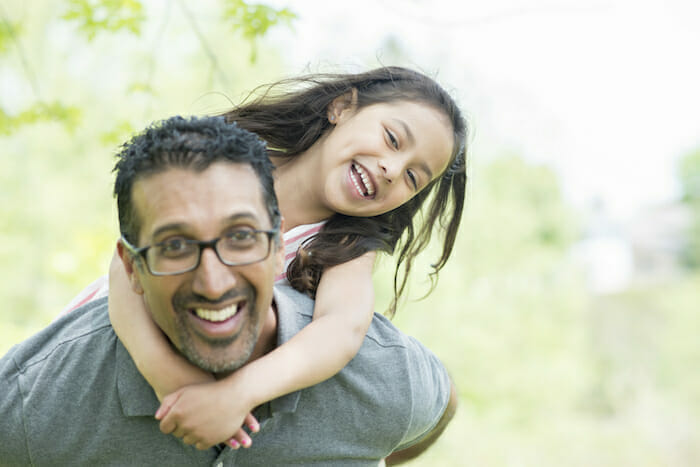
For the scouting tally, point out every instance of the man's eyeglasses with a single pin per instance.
(178, 255)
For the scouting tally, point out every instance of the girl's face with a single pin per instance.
(378, 157)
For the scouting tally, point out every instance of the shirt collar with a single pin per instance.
(135, 394)
(288, 325)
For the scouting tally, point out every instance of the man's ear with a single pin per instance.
(342, 106)
(128, 261)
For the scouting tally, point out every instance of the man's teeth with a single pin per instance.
(216, 315)
(367, 187)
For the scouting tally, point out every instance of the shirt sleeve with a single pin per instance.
(13, 439)
(430, 390)
(98, 289)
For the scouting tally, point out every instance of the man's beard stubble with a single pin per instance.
(245, 339)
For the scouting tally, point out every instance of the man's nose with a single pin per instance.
(212, 278)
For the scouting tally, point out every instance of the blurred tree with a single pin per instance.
(689, 174)
(93, 17)
(77, 77)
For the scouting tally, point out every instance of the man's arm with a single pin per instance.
(398, 457)
(13, 443)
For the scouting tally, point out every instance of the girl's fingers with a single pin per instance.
(167, 404)
(252, 423)
(241, 438)
(168, 425)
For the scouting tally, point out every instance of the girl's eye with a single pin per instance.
(412, 177)
(392, 139)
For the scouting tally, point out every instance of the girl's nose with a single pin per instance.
(389, 169)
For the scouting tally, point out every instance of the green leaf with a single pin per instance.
(40, 112)
(118, 134)
(254, 20)
(8, 31)
(94, 16)
(140, 87)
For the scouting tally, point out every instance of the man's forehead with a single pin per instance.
(206, 200)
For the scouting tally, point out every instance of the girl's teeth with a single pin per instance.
(368, 188)
(216, 315)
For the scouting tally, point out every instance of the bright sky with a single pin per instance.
(606, 92)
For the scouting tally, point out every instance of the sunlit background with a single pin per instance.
(568, 314)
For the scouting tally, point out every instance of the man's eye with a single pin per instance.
(240, 235)
(241, 238)
(173, 246)
(392, 139)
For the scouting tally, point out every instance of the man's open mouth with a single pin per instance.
(217, 316)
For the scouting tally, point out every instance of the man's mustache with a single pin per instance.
(186, 299)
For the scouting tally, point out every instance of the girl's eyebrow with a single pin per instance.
(406, 129)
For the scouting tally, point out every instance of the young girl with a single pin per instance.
(356, 157)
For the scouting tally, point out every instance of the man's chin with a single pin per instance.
(218, 360)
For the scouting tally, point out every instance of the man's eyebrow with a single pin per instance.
(412, 140)
(243, 216)
(175, 226)
(182, 227)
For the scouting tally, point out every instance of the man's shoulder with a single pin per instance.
(48, 381)
(298, 310)
(395, 389)
(81, 327)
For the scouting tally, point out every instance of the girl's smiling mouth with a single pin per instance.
(362, 181)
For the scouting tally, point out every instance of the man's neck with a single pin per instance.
(268, 336)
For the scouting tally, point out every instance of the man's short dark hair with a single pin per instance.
(193, 143)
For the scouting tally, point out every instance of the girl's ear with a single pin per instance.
(342, 106)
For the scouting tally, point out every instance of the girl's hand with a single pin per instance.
(204, 415)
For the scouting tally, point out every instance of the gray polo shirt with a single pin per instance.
(71, 395)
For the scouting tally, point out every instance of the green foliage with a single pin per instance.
(689, 174)
(537, 360)
(54, 111)
(252, 21)
(7, 34)
(118, 134)
(94, 16)
(140, 87)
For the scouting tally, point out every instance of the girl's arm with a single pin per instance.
(342, 314)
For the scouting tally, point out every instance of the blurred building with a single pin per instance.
(648, 248)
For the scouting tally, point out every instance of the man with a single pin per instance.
(200, 238)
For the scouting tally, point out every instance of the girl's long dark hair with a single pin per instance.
(292, 114)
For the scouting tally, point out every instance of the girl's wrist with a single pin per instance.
(236, 385)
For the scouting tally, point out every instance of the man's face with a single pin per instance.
(214, 314)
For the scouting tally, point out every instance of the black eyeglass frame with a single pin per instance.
(202, 244)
